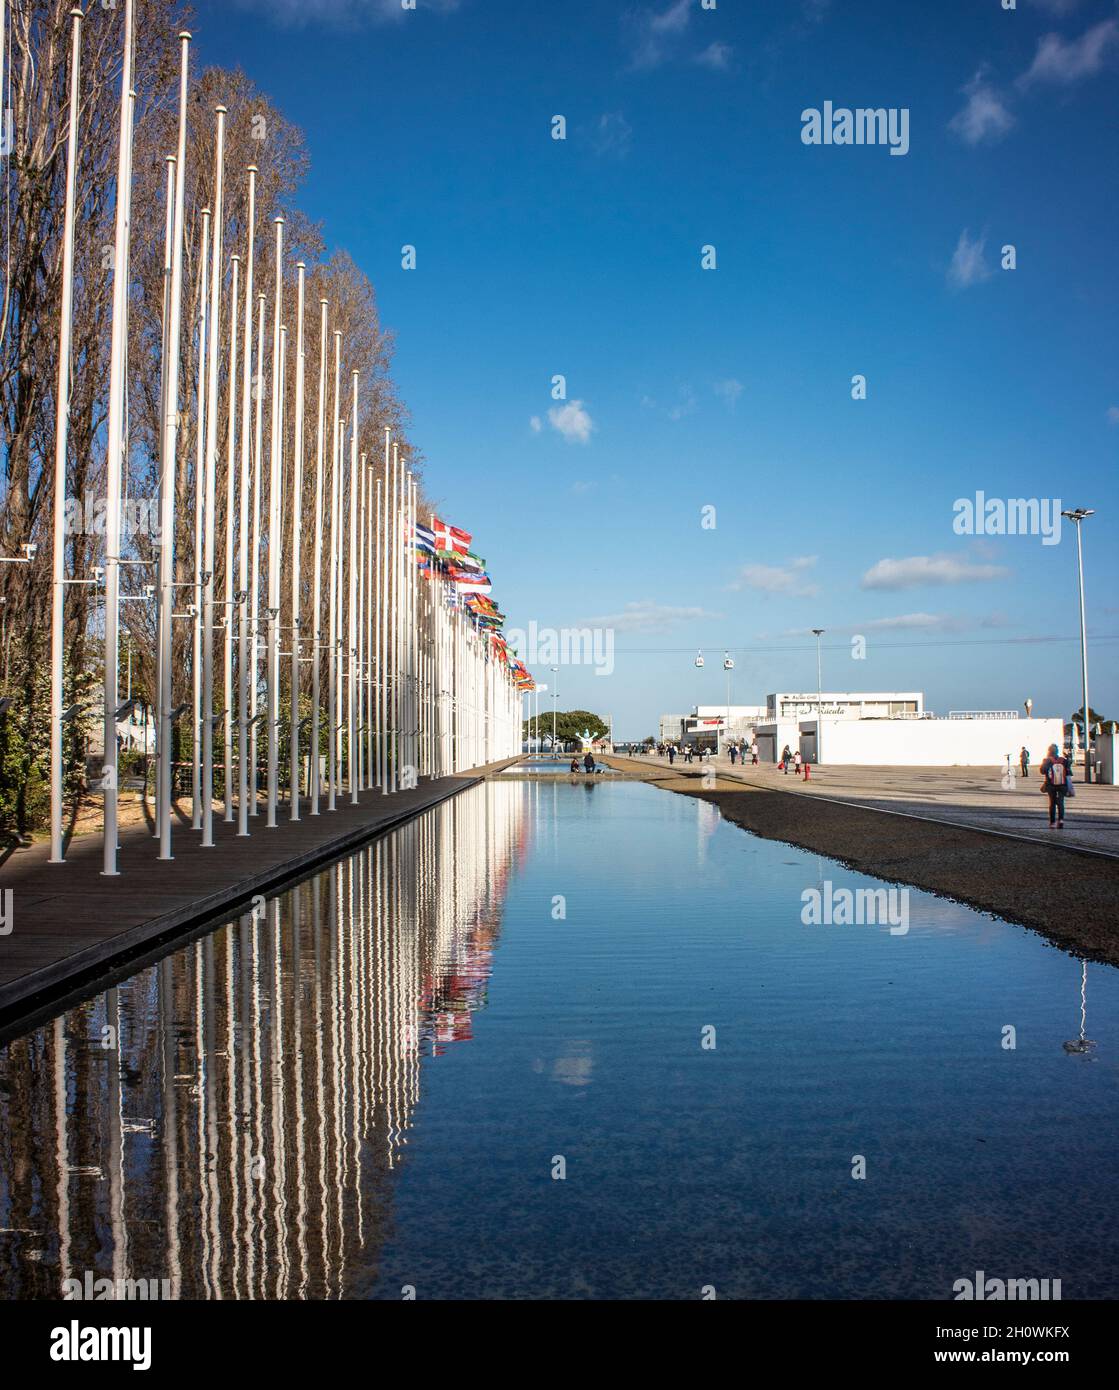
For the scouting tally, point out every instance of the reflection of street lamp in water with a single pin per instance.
(1081, 1044)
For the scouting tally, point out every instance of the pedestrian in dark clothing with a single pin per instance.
(1056, 776)
(1024, 761)
(588, 762)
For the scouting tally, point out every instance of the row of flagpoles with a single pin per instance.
(408, 679)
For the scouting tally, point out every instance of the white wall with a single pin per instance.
(931, 742)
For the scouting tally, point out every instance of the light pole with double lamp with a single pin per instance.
(1078, 514)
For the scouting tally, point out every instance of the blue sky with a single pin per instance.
(731, 388)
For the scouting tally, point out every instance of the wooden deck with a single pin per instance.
(70, 925)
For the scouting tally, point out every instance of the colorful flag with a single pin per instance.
(424, 538)
(450, 537)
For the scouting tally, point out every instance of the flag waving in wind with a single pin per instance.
(450, 537)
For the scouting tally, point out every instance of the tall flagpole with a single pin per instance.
(254, 618)
(230, 499)
(199, 499)
(273, 715)
(351, 609)
(61, 432)
(296, 542)
(210, 512)
(316, 635)
(379, 687)
(169, 467)
(332, 627)
(243, 624)
(114, 455)
(360, 717)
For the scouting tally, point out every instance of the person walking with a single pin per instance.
(1056, 779)
(1024, 761)
(786, 758)
(754, 753)
(671, 754)
(733, 754)
(796, 762)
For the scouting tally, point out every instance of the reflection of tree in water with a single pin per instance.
(237, 1131)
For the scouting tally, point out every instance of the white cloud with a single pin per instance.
(645, 615)
(338, 13)
(1113, 414)
(968, 266)
(917, 570)
(572, 421)
(685, 404)
(984, 117)
(716, 55)
(612, 135)
(730, 390)
(536, 424)
(654, 32)
(1065, 61)
(780, 579)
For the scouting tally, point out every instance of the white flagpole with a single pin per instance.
(246, 632)
(230, 500)
(317, 599)
(351, 609)
(379, 650)
(169, 466)
(361, 627)
(61, 430)
(210, 515)
(199, 499)
(274, 538)
(370, 749)
(297, 539)
(332, 627)
(114, 458)
(394, 571)
(258, 465)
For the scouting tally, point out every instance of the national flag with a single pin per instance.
(450, 537)
(424, 538)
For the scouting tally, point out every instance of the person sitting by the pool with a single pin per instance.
(574, 764)
(588, 762)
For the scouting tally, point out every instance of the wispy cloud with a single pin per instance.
(1113, 414)
(716, 55)
(573, 421)
(729, 389)
(789, 578)
(1065, 61)
(612, 135)
(968, 266)
(645, 615)
(984, 117)
(916, 571)
(342, 14)
(911, 622)
(654, 34)
(1058, 7)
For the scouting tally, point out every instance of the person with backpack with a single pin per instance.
(1056, 779)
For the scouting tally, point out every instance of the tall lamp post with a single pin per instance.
(1078, 514)
(728, 667)
(555, 706)
(818, 632)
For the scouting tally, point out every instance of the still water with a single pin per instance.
(572, 1041)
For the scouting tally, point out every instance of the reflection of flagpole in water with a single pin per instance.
(1083, 1043)
(62, 1148)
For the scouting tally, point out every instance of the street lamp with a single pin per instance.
(1078, 514)
(728, 667)
(555, 707)
(818, 632)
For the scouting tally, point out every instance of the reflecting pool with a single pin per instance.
(573, 1040)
